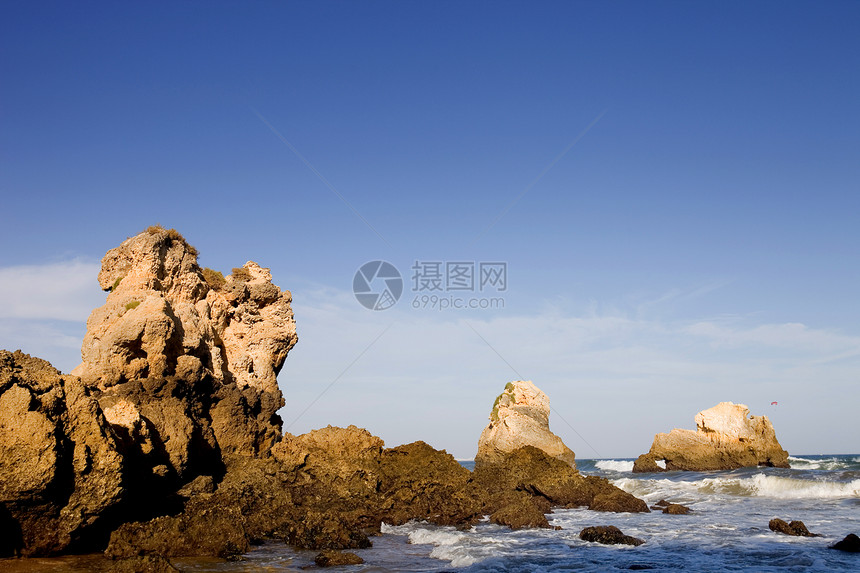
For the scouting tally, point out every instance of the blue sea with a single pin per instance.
(726, 531)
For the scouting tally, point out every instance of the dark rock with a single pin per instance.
(522, 511)
(329, 530)
(616, 500)
(676, 509)
(796, 528)
(419, 482)
(534, 472)
(61, 470)
(203, 529)
(608, 535)
(662, 503)
(851, 544)
(331, 558)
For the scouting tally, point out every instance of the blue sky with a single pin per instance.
(697, 243)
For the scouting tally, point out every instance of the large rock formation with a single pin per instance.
(179, 373)
(520, 417)
(61, 471)
(725, 438)
(186, 352)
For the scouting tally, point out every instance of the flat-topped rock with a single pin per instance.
(726, 437)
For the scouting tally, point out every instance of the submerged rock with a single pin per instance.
(851, 544)
(520, 417)
(676, 509)
(608, 535)
(725, 438)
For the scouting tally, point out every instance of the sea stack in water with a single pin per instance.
(726, 437)
(520, 417)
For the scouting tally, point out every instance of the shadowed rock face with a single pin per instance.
(726, 437)
(520, 417)
(61, 471)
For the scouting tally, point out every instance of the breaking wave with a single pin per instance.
(620, 466)
(759, 485)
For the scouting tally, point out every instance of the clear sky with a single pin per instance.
(674, 187)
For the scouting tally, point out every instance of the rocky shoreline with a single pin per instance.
(165, 441)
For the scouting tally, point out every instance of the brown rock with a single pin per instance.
(143, 564)
(725, 438)
(419, 482)
(163, 320)
(326, 530)
(521, 510)
(520, 417)
(203, 529)
(676, 509)
(331, 558)
(796, 528)
(608, 535)
(60, 465)
(532, 471)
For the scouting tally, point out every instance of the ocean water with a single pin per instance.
(726, 531)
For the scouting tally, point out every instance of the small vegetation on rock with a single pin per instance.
(132, 304)
(173, 235)
(115, 284)
(214, 278)
(241, 274)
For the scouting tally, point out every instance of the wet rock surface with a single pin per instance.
(608, 535)
(795, 528)
(337, 559)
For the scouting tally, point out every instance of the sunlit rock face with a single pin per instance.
(520, 417)
(726, 437)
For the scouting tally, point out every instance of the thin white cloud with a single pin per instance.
(617, 379)
(56, 291)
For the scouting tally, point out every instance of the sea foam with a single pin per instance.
(614, 465)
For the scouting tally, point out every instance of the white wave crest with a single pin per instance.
(761, 485)
(450, 545)
(615, 465)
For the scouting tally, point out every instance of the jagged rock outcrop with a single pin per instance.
(61, 470)
(726, 437)
(165, 318)
(520, 417)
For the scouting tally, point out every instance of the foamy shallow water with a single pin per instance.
(727, 530)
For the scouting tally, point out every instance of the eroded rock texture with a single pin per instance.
(726, 437)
